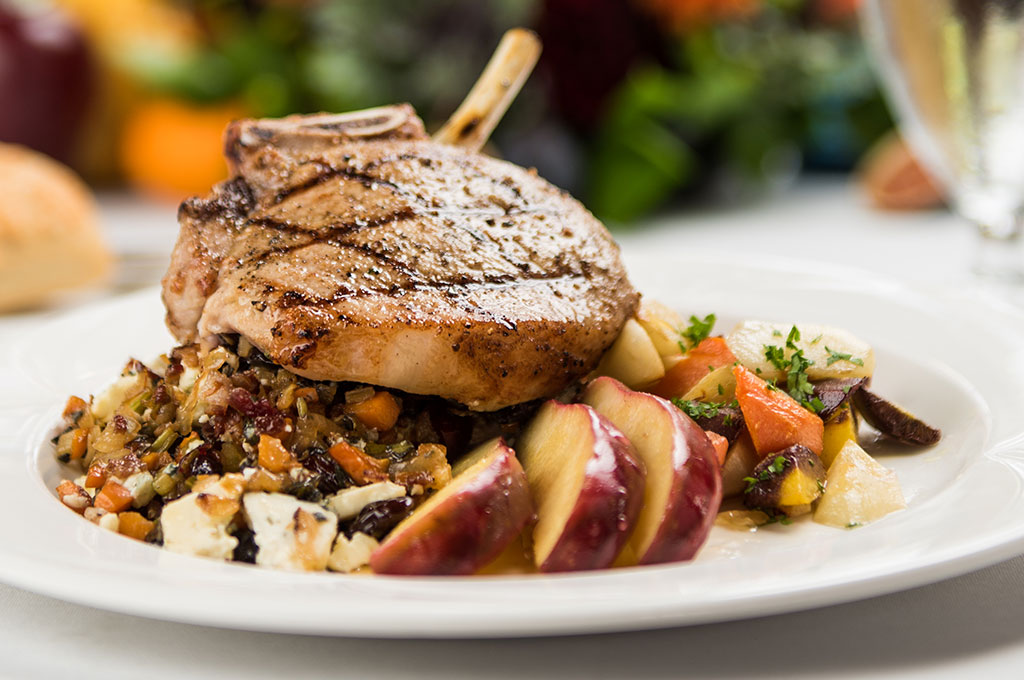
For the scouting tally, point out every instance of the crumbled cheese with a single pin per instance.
(94, 514)
(197, 523)
(347, 503)
(110, 522)
(290, 534)
(351, 553)
(140, 485)
(187, 378)
(106, 402)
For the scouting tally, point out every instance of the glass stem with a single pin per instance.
(1000, 253)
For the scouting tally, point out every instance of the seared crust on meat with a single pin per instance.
(404, 263)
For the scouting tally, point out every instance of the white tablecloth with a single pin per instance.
(972, 625)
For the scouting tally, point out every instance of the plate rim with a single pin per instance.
(983, 551)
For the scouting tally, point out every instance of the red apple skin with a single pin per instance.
(468, 529)
(608, 505)
(696, 491)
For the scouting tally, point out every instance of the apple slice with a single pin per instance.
(684, 484)
(466, 524)
(587, 484)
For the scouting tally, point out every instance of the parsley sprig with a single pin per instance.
(700, 410)
(834, 356)
(776, 467)
(696, 332)
(795, 367)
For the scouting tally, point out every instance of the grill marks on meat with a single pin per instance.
(404, 263)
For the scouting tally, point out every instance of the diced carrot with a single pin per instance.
(134, 525)
(73, 496)
(710, 354)
(95, 477)
(379, 411)
(74, 405)
(720, 443)
(79, 443)
(307, 393)
(150, 460)
(274, 456)
(113, 497)
(361, 467)
(774, 419)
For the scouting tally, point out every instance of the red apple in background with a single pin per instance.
(465, 525)
(46, 79)
(587, 484)
(684, 485)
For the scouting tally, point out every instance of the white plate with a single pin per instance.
(957, 362)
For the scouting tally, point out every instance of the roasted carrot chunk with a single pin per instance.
(720, 444)
(774, 419)
(74, 405)
(134, 525)
(95, 477)
(113, 497)
(710, 354)
(79, 443)
(274, 456)
(379, 411)
(361, 467)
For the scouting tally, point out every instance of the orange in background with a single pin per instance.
(172, 149)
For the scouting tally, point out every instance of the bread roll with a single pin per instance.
(49, 234)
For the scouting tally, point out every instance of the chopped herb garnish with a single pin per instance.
(815, 341)
(834, 356)
(697, 409)
(846, 389)
(721, 390)
(777, 333)
(697, 331)
(821, 486)
(795, 367)
(853, 525)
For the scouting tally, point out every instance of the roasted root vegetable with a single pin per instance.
(835, 393)
(832, 352)
(694, 366)
(859, 490)
(774, 419)
(723, 419)
(787, 481)
(839, 430)
(740, 461)
(662, 324)
(894, 421)
(719, 443)
(134, 525)
(632, 359)
(718, 386)
(379, 412)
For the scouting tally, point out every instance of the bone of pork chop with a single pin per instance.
(354, 248)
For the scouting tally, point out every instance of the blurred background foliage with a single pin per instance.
(635, 106)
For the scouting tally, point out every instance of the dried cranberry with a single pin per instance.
(201, 461)
(264, 416)
(246, 549)
(377, 519)
(331, 476)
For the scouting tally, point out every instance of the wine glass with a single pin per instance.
(953, 71)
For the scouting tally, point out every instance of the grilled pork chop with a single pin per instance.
(354, 248)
